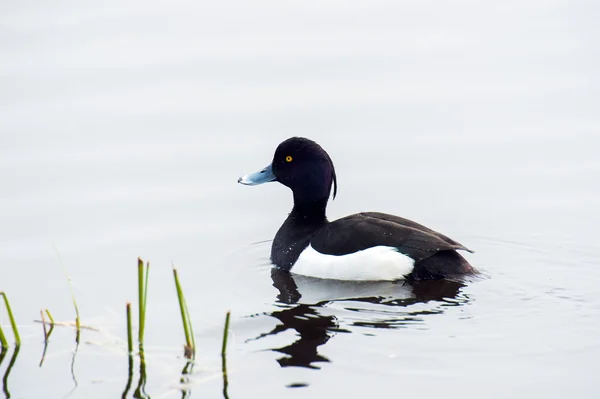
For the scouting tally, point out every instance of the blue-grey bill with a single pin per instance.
(264, 176)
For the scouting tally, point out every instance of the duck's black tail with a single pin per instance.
(444, 264)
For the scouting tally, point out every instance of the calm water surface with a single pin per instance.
(124, 127)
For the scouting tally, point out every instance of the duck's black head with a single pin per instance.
(303, 166)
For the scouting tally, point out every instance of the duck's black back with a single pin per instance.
(369, 229)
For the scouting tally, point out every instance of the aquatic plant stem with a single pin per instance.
(77, 318)
(43, 324)
(3, 352)
(12, 320)
(225, 333)
(224, 356)
(146, 292)
(140, 300)
(142, 295)
(47, 333)
(3, 341)
(50, 317)
(129, 329)
(129, 351)
(190, 344)
(140, 391)
(129, 376)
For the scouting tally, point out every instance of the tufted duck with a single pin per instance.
(364, 246)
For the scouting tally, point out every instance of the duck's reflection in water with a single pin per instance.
(386, 305)
(314, 330)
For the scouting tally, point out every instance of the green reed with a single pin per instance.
(3, 341)
(224, 356)
(129, 328)
(190, 343)
(47, 332)
(225, 333)
(13, 324)
(77, 317)
(142, 296)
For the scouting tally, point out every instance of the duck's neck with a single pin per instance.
(294, 235)
(309, 212)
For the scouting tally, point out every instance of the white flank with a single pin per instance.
(372, 264)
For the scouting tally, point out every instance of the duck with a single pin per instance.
(367, 246)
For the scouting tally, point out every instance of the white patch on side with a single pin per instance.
(372, 264)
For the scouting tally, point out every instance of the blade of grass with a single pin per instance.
(44, 324)
(45, 338)
(50, 317)
(47, 333)
(11, 317)
(146, 292)
(189, 322)
(190, 345)
(140, 300)
(129, 329)
(142, 295)
(3, 341)
(77, 318)
(225, 333)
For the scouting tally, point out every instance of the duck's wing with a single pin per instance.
(369, 229)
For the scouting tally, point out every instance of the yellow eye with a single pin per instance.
(288, 158)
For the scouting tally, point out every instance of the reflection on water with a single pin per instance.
(314, 329)
(11, 363)
(377, 305)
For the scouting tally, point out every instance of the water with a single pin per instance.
(124, 127)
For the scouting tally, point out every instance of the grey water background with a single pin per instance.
(124, 127)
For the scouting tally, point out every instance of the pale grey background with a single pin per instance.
(124, 127)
